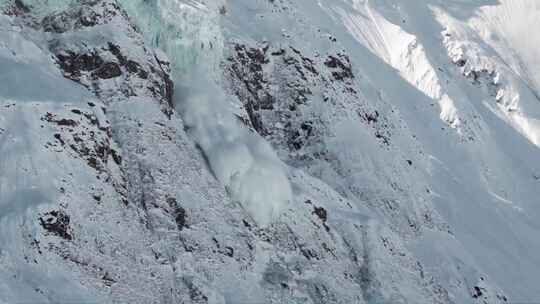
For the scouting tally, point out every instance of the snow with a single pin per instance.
(470, 206)
(445, 204)
(400, 49)
(505, 28)
(29, 176)
(240, 159)
(24, 62)
(507, 59)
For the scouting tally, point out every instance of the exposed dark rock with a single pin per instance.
(66, 122)
(16, 8)
(321, 213)
(116, 157)
(93, 162)
(341, 65)
(56, 222)
(308, 253)
(107, 71)
(88, 63)
(73, 64)
(107, 279)
(383, 137)
(372, 117)
(279, 52)
(196, 294)
(180, 218)
(59, 138)
(461, 62)
(248, 70)
(229, 251)
(179, 213)
(477, 292)
(135, 68)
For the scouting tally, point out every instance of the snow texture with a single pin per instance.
(245, 163)
(240, 159)
(255, 151)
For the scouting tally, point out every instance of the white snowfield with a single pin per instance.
(310, 152)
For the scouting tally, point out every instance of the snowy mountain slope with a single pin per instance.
(162, 214)
(515, 105)
(505, 27)
(307, 152)
(475, 185)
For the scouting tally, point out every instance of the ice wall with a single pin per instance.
(187, 30)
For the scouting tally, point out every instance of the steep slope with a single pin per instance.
(464, 169)
(134, 216)
(175, 151)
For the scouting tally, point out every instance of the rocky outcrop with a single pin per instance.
(124, 63)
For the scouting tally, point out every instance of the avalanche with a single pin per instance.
(240, 159)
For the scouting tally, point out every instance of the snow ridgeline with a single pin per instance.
(240, 159)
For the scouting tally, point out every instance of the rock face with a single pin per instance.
(134, 71)
(107, 199)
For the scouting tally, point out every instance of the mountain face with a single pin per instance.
(269, 151)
